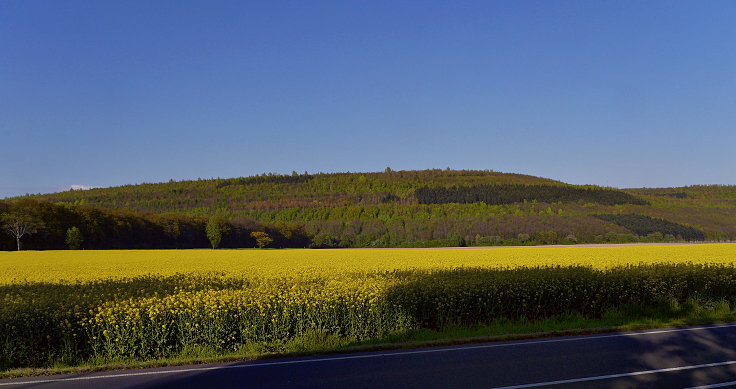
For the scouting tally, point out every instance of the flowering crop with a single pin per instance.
(91, 265)
(72, 305)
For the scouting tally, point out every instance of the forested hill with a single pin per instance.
(430, 208)
(239, 196)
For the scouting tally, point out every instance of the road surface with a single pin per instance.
(703, 357)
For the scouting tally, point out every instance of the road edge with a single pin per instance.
(37, 372)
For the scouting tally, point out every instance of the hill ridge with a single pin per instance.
(432, 207)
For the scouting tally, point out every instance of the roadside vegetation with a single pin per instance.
(623, 318)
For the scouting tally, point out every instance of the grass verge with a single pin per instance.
(626, 318)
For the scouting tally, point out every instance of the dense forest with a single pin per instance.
(386, 209)
(645, 225)
(515, 193)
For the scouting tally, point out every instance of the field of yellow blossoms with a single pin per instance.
(84, 266)
(70, 306)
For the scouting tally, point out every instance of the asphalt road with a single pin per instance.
(703, 357)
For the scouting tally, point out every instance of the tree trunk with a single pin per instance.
(17, 240)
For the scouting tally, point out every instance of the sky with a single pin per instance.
(616, 93)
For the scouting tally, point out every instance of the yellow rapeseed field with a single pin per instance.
(72, 266)
(69, 306)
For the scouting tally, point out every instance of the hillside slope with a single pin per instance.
(434, 207)
(238, 196)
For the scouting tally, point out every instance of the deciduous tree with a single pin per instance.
(262, 238)
(215, 228)
(74, 238)
(19, 224)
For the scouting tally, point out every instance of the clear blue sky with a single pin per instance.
(617, 93)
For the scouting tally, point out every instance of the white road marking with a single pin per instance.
(609, 376)
(375, 355)
(719, 385)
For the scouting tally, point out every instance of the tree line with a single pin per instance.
(58, 226)
(266, 179)
(50, 226)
